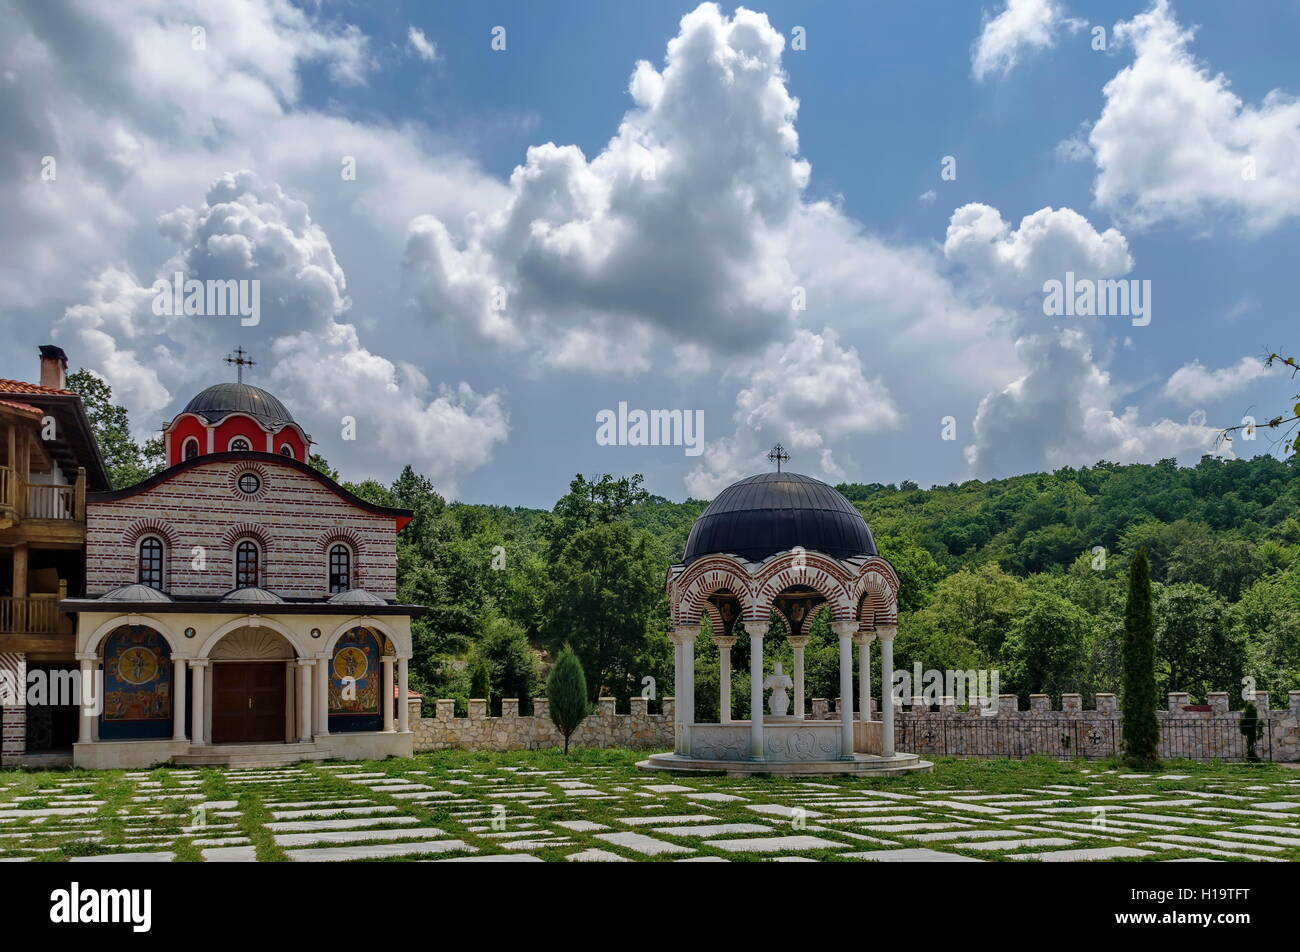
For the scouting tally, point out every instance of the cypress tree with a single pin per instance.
(566, 689)
(1252, 728)
(1141, 728)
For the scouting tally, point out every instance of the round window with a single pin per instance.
(249, 483)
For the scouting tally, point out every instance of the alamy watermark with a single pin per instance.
(626, 427)
(1107, 297)
(209, 298)
(974, 686)
(54, 688)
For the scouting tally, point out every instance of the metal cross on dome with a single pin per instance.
(778, 456)
(240, 360)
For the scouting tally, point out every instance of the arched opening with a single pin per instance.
(138, 689)
(151, 563)
(252, 687)
(340, 568)
(356, 682)
(190, 448)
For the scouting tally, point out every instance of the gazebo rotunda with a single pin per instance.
(784, 547)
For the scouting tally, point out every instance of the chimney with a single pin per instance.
(54, 367)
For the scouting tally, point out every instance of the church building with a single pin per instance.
(239, 606)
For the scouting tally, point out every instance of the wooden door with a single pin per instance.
(248, 701)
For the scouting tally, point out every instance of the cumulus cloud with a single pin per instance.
(1195, 383)
(250, 229)
(1023, 27)
(1060, 414)
(678, 226)
(1174, 143)
(805, 394)
(1059, 411)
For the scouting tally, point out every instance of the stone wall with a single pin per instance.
(512, 731)
(1202, 732)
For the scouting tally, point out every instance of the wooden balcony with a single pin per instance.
(33, 615)
(41, 513)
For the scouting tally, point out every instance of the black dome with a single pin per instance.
(772, 512)
(222, 399)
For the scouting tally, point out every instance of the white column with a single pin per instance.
(403, 708)
(178, 700)
(304, 699)
(864, 640)
(386, 693)
(88, 688)
(757, 750)
(678, 731)
(688, 674)
(198, 736)
(845, 630)
(798, 643)
(322, 697)
(886, 636)
(724, 643)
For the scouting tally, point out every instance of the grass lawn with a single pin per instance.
(595, 805)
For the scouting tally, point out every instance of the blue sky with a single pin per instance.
(672, 290)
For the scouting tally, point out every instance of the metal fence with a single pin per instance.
(1218, 738)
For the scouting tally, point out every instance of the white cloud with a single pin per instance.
(421, 45)
(1060, 414)
(804, 394)
(248, 228)
(1022, 27)
(1174, 143)
(1194, 383)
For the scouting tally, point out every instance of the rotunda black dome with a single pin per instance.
(773, 512)
(220, 400)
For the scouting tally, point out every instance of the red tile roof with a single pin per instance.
(24, 407)
(19, 386)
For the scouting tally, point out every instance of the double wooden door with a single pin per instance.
(248, 702)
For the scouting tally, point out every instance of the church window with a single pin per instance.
(247, 557)
(287, 450)
(340, 569)
(249, 483)
(151, 562)
(239, 445)
(191, 449)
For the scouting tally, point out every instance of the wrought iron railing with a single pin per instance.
(1214, 738)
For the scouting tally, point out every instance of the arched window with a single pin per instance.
(151, 562)
(340, 568)
(287, 450)
(239, 445)
(247, 565)
(190, 449)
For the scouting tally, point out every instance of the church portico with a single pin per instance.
(212, 687)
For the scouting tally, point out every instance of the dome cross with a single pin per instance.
(778, 456)
(240, 360)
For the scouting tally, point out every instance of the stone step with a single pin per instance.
(250, 755)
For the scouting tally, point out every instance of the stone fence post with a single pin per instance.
(1218, 702)
(542, 707)
(1107, 704)
(1040, 703)
(444, 708)
(638, 706)
(1176, 701)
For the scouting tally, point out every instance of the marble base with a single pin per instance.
(861, 765)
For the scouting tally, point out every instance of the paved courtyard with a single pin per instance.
(458, 808)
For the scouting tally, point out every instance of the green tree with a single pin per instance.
(566, 690)
(1141, 728)
(1047, 648)
(604, 593)
(1197, 649)
(505, 657)
(1252, 728)
(591, 502)
(127, 461)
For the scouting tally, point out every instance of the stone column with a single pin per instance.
(403, 708)
(686, 695)
(386, 693)
(863, 639)
(304, 699)
(178, 700)
(886, 635)
(844, 631)
(725, 644)
(797, 644)
(322, 697)
(87, 725)
(757, 750)
(198, 736)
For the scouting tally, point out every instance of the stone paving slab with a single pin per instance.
(642, 844)
(917, 855)
(774, 844)
(335, 854)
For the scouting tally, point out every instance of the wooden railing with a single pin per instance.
(8, 488)
(35, 614)
(51, 502)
